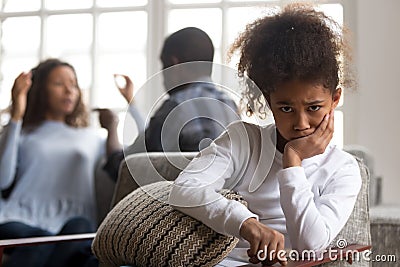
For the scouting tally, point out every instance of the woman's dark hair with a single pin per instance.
(37, 99)
(298, 43)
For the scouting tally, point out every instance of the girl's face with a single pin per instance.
(299, 107)
(63, 93)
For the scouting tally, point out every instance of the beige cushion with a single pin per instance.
(146, 168)
(143, 230)
(357, 228)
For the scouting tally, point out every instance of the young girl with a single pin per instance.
(48, 157)
(300, 188)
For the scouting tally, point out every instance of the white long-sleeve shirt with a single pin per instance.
(53, 167)
(308, 204)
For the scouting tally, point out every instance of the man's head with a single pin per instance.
(187, 45)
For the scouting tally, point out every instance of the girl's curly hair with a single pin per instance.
(299, 43)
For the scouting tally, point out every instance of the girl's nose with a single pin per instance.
(301, 122)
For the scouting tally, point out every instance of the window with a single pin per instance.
(103, 37)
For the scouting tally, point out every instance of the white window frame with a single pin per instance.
(157, 11)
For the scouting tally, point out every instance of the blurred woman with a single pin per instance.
(48, 156)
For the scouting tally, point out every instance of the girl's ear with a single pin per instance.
(336, 97)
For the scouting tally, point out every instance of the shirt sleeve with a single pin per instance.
(140, 124)
(313, 221)
(149, 139)
(152, 136)
(9, 141)
(195, 191)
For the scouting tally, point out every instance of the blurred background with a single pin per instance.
(103, 37)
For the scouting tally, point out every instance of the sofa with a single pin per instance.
(385, 235)
(146, 168)
(384, 218)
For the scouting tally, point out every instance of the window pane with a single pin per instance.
(121, 3)
(121, 31)
(83, 68)
(69, 34)
(20, 5)
(21, 35)
(193, 1)
(237, 19)
(127, 127)
(217, 56)
(244, 2)
(341, 100)
(68, 4)
(207, 19)
(133, 65)
(335, 11)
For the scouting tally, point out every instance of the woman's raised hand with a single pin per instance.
(19, 94)
(125, 86)
(306, 147)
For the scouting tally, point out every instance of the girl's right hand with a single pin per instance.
(19, 94)
(263, 238)
(126, 89)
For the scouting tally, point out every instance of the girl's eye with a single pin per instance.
(286, 109)
(314, 108)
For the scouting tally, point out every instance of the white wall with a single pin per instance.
(373, 112)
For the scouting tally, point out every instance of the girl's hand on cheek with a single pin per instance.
(311, 145)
